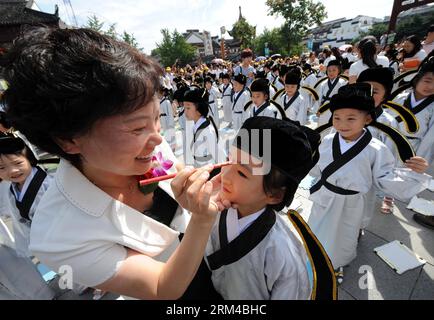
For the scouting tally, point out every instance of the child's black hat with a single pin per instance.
(240, 78)
(354, 96)
(260, 85)
(334, 63)
(10, 144)
(198, 96)
(293, 147)
(225, 76)
(293, 77)
(384, 76)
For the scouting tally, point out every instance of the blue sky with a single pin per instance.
(145, 18)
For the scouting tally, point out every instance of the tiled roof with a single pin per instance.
(16, 13)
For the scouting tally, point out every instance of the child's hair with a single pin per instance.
(276, 181)
(426, 67)
(10, 145)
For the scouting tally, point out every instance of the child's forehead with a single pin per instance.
(7, 158)
(238, 156)
(348, 111)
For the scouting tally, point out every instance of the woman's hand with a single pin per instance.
(193, 191)
(417, 164)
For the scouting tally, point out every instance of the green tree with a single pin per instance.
(174, 48)
(94, 23)
(244, 32)
(111, 31)
(131, 40)
(274, 40)
(299, 16)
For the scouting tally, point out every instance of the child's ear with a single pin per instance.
(69, 146)
(276, 197)
(369, 119)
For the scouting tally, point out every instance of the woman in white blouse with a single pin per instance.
(412, 50)
(368, 58)
(92, 101)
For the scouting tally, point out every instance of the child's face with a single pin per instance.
(238, 86)
(291, 89)
(350, 122)
(425, 86)
(379, 92)
(208, 85)
(240, 186)
(226, 81)
(191, 112)
(258, 98)
(14, 168)
(332, 72)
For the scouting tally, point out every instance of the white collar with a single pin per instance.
(415, 103)
(235, 226)
(198, 124)
(20, 194)
(345, 146)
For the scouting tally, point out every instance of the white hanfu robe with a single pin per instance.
(265, 110)
(310, 80)
(426, 122)
(227, 102)
(336, 218)
(260, 258)
(326, 91)
(167, 121)
(204, 147)
(295, 107)
(214, 94)
(240, 100)
(21, 225)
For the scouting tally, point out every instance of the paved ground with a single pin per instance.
(417, 284)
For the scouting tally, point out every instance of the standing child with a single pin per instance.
(240, 98)
(293, 102)
(351, 161)
(204, 145)
(226, 89)
(254, 252)
(213, 95)
(261, 104)
(329, 88)
(167, 120)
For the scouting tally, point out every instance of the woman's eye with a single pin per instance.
(242, 174)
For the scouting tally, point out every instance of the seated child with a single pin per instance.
(253, 252)
(351, 161)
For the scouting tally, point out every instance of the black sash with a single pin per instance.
(339, 161)
(181, 113)
(164, 99)
(244, 243)
(262, 108)
(236, 99)
(419, 108)
(331, 87)
(32, 191)
(291, 101)
(163, 115)
(201, 127)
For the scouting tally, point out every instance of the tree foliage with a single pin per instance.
(94, 23)
(173, 48)
(299, 16)
(273, 39)
(244, 32)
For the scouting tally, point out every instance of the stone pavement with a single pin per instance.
(386, 284)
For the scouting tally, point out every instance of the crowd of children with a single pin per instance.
(375, 145)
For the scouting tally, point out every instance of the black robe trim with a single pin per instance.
(244, 243)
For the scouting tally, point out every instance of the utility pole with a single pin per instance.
(400, 6)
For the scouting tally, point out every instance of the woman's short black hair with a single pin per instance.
(417, 46)
(61, 81)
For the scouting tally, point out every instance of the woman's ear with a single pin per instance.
(69, 146)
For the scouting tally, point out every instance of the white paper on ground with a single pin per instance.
(422, 206)
(399, 257)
